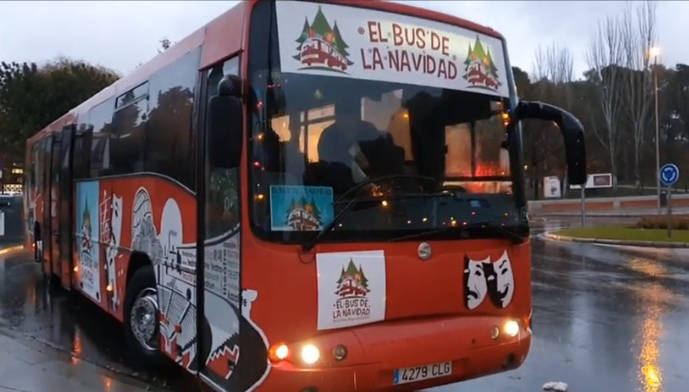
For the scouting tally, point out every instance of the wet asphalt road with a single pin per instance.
(604, 319)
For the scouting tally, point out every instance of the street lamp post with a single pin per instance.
(655, 52)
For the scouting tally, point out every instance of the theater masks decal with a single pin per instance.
(488, 277)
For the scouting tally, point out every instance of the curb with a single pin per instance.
(595, 215)
(652, 244)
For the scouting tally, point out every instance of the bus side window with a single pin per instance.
(128, 131)
(82, 150)
(100, 120)
(169, 130)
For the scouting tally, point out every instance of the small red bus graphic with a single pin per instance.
(321, 46)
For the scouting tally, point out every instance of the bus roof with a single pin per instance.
(220, 40)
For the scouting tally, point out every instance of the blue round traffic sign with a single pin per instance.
(669, 174)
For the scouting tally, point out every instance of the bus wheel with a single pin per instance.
(141, 317)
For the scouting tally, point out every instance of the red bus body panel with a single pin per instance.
(425, 321)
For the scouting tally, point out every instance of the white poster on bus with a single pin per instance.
(359, 43)
(351, 288)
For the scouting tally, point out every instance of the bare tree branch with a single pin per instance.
(638, 36)
(605, 56)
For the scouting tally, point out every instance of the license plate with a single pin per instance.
(422, 372)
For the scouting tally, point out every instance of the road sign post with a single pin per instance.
(669, 175)
(583, 205)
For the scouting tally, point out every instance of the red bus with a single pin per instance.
(273, 225)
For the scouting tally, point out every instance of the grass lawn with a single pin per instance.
(620, 232)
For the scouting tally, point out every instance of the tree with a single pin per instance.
(33, 97)
(304, 33)
(604, 55)
(340, 45)
(637, 39)
(320, 24)
(553, 71)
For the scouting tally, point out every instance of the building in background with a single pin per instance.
(11, 179)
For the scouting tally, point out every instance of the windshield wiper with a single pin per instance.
(309, 244)
(511, 234)
(392, 177)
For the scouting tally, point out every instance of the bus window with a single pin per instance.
(82, 149)
(100, 119)
(168, 131)
(128, 136)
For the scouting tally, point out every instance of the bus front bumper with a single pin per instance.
(474, 346)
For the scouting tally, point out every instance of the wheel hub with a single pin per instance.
(142, 318)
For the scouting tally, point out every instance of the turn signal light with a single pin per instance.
(278, 352)
(506, 118)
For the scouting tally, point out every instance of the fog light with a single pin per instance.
(340, 352)
(310, 354)
(278, 352)
(511, 328)
(494, 333)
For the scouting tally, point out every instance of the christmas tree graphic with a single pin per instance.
(321, 46)
(480, 70)
(352, 282)
(303, 215)
(86, 228)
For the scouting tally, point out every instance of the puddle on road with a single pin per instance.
(30, 305)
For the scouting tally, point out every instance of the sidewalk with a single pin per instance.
(624, 206)
(613, 213)
(29, 366)
(605, 241)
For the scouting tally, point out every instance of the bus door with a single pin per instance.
(42, 206)
(64, 193)
(219, 234)
(52, 204)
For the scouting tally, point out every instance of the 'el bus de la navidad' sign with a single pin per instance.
(333, 40)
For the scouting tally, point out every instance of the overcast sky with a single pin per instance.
(121, 35)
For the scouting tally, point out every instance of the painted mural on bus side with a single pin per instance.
(118, 216)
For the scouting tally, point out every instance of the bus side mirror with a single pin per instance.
(224, 124)
(572, 132)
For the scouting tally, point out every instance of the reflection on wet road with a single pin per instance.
(42, 313)
(604, 319)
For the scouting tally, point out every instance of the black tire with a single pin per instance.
(141, 283)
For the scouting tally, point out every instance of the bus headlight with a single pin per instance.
(511, 328)
(310, 354)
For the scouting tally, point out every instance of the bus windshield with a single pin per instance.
(405, 158)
